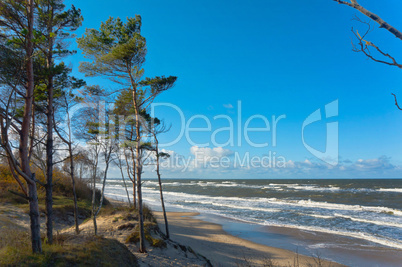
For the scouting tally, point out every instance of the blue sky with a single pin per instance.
(273, 58)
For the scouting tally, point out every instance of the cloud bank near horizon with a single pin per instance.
(221, 163)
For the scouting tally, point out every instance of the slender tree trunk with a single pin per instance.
(94, 173)
(138, 173)
(34, 216)
(160, 190)
(72, 171)
(95, 225)
(93, 203)
(49, 143)
(103, 189)
(140, 212)
(107, 161)
(132, 177)
(124, 181)
(134, 195)
(128, 195)
(49, 195)
(24, 136)
(70, 150)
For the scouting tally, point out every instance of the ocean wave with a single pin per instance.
(393, 190)
(321, 216)
(306, 203)
(281, 203)
(382, 223)
(202, 184)
(232, 206)
(335, 206)
(393, 243)
(270, 186)
(270, 206)
(302, 187)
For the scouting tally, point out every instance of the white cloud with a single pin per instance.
(207, 152)
(228, 106)
(382, 162)
(203, 162)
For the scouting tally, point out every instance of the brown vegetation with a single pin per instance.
(67, 250)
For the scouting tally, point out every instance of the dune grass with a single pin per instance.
(66, 251)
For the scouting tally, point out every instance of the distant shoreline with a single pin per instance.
(283, 241)
(353, 222)
(280, 239)
(222, 248)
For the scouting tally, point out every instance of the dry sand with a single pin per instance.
(192, 242)
(223, 249)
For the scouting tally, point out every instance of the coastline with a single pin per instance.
(337, 249)
(224, 249)
(344, 250)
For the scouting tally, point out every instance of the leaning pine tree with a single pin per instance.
(160, 155)
(54, 23)
(117, 51)
(17, 83)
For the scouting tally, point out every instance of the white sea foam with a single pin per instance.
(302, 187)
(393, 190)
(382, 223)
(322, 245)
(280, 203)
(321, 216)
(382, 241)
(261, 204)
(233, 206)
(360, 235)
(274, 211)
(334, 206)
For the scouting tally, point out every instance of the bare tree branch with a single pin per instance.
(374, 17)
(396, 102)
(364, 46)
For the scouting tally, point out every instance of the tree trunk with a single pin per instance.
(128, 195)
(95, 225)
(72, 174)
(24, 136)
(132, 178)
(70, 150)
(49, 164)
(94, 173)
(49, 141)
(134, 195)
(49, 206)
(34, 216)
(124, 181)
(161, 193)
(140, 213)
(107, 162)
(103, 188)
(138, 172)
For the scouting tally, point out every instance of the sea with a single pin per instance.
(368, 210)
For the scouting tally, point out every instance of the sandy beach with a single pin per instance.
(196, 240)
(223, 249)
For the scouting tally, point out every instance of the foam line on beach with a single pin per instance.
(300, 203)
(382, 241)
(382, 223)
